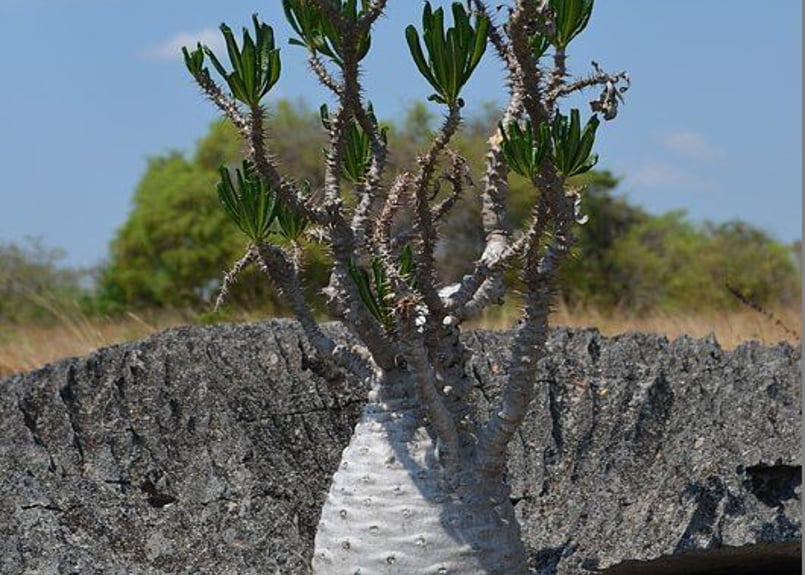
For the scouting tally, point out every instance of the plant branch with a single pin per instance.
(385, 224)
(324, 75)
(371, 187)
(495, 33)
(255, 138)
(371, 15)
(558, 74)
(539, 275)
(345, 301)
(508, 414)
(279, 267)
(223, 102)
(419, 365)
(484, 285)
(232, 275)
(423, 224)
(610, 95)
(458, 174)
(332, 173)
(524, 73)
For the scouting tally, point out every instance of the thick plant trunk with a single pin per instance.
(392, 509)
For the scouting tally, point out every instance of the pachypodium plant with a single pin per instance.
(421, 487)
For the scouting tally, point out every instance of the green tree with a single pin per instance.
(671, 264)
(593, 277)
(746, 258)
(33, 283)
(176, 241)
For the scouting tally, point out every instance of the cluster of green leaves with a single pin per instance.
(256, 65)
(249, 203)
(523, 152)
(564, 142)
(318, 32)
(452, 56)
(570, 18)
(358, 149)
(253, 207)
(572, 147)
(375, 290)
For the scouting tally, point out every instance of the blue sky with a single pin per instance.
(92, 88)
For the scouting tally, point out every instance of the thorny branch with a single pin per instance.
(611, 95)
(232, 275)
(423, 223)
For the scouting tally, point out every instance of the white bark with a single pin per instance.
(392, 509)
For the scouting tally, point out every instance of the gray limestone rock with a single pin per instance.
(209, 451)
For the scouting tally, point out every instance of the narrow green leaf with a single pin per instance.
(249, 74)
(216, 63)
(361, 279)
(238, 88)
(276, 69)
(412, 37)
(194, 60)
(434, 39)
(571, 18)
(232, 49)
(382, 288)
(588, 136)
(324, 113)
(573, 136)
(479, 45)
(227, 195)
(288, 6)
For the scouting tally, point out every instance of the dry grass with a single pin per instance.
(28, 347)
(23, 348)
(730, 328)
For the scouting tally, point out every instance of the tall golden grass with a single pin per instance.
(71, 333)
(730, 328)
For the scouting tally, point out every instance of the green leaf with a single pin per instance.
(382, 287)
(216, 63)
(452, 55)
(361, 279)
(256, 67)
(522, 153)
(325, 116)
(358, 149)
(291, 223)
(479, 46)
(571, 146)
(250, 74)
(412, 38)
(407, 267)
(317, 31)
(375, 290)
(570, 19)
(539, 45)
(194, 60)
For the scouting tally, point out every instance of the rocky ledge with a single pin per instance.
(209, 451)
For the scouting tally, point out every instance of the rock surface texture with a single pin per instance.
(209, 451)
